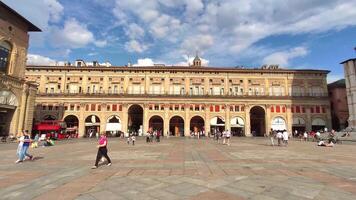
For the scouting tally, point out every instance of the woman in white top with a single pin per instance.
(285, 137)
(21, 140)
(228, 135)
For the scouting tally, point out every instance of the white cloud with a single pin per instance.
(55, 9)
(135, 46)
(283, 57)
(74, 35)
(34, 59)
(144, 62)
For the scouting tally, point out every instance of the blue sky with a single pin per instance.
(312, 34)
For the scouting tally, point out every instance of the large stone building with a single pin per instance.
(350, 79)
(17, 96)
(338, 104)
(180, 100)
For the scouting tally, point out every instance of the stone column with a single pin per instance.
(268, 119)
(145, 118)
(186, 120)
(81, 120)
(289, 119)
(227, 117)
(166, 119)
(124, 117)
(247, 122)
(308, 123)
(22, 110)
(207, 119)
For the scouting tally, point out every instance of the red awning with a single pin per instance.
(47, 127)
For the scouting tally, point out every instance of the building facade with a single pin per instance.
(179, 100)
(17, 96)
(338, 104)
(350, 80)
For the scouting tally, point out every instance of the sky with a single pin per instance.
(295, 34)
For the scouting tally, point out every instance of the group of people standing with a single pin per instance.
(153, 135)
(282, 137)
(224, 136)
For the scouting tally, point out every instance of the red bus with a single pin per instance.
(52, 128)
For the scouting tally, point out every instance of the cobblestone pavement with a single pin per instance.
(181, 168)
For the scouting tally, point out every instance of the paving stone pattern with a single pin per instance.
(181, 168)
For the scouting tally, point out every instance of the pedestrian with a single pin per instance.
(305, 136)
(272, 134)
(129, 138)
(102, 150)
(279, 137)
(228, 135)
(285, 137)
(19, 147)
(133, 139)
(158, 136)
(25, 146)
(148, 137)
(224, 136)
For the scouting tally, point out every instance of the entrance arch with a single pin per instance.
(237, 126)
(135, 119)
(298, 125)
(217, 124)
(197, 125)
(92, 126)
(113, 125)
(278, 124)
(49, 117)
(156, 124)
(9, 103)
(318, 124)
(258, 121)
(176, 126)
(72, 124)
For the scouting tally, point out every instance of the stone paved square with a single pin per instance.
(181, 168)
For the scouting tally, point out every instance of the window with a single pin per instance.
(211, 108)
(317, 109)
(108, 107)
(78, 107)
(99, 107)
(92, 107)
(5, 53)
(156, 107)
(50, 107)
(217, 108)
(297, 110)
(283, 109)
(272, 109)
(311, 110)
(114, 107)
(120, 107)
(71, 107)
(87, 107)
(278, 109)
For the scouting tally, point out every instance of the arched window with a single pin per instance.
(5, 52)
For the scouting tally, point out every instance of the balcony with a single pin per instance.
(111, 94)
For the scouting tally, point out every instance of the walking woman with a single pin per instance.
(102, 150)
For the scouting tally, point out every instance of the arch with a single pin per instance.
(298, 125)
(318, 124)
(8, 98)
(197, 124)
(49, 117)
(217, 124)
(92, 126)
(5, 55)
(135, 119)
(113, 125)
(176, 126)
(71, 121)
(72, 124)
(155, 123)
(237, 125)
(279, 124)
(258, 121)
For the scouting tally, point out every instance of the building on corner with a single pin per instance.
(17, 96)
